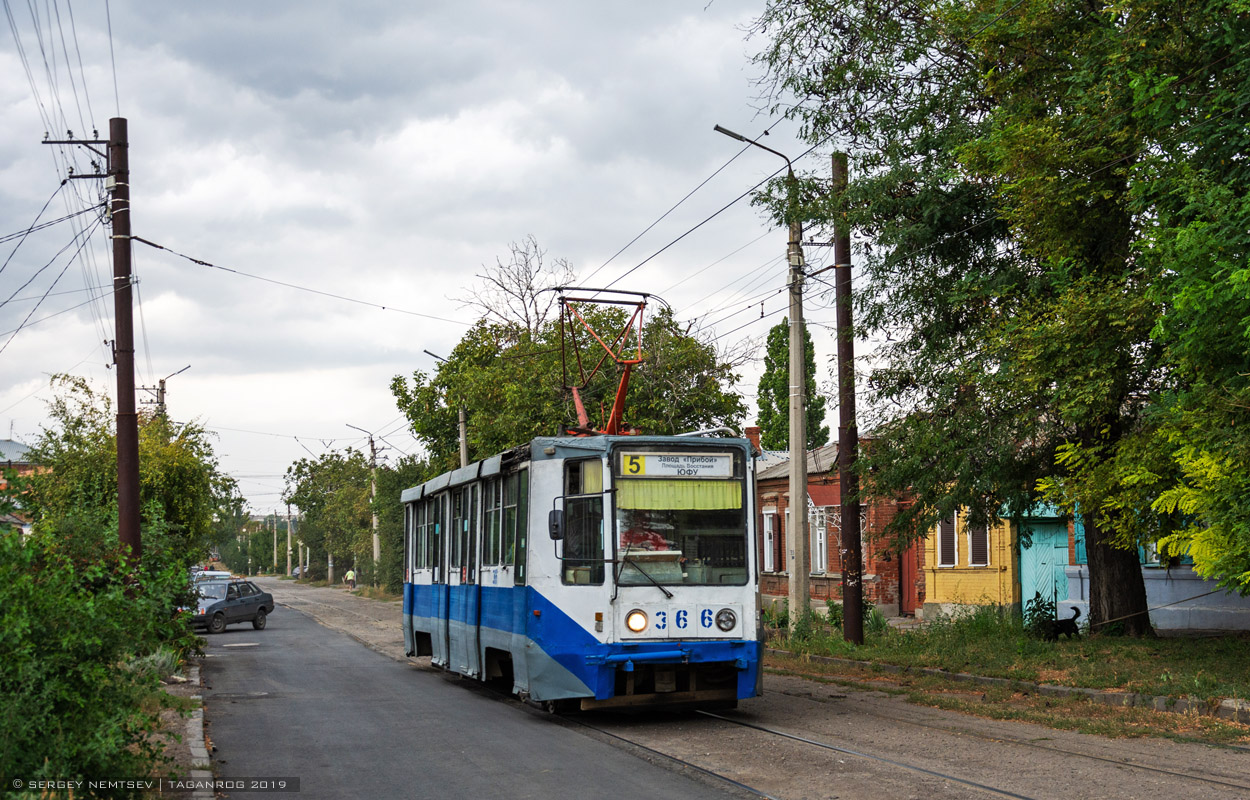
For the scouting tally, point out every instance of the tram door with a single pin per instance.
(438, 577)
(464, 618)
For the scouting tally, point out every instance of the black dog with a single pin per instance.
(1067, 627)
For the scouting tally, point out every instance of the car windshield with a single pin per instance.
(212, 591)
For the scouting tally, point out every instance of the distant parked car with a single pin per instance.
(225, 602)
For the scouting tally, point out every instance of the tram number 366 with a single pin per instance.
(681, 619)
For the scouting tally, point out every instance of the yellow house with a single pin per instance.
(967, 565)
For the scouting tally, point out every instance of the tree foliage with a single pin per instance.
(509, 380)
(73, 494)
(405, 473)
(332, 493)
(774, 392)
(1037, 183)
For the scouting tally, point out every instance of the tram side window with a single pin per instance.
(457, 527)
(492, 508)
(434, 536)
(583, 522)
(516, 508)
(421, 526)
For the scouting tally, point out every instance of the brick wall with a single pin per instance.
(881, 567)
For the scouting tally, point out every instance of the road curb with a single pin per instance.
(1232, 710)
(201, 765)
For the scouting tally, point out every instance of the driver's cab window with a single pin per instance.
(232, 592)
(583, 522)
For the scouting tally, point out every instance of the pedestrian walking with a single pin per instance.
(350, 577)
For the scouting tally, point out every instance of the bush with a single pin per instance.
(1039, 616)
(69, 707)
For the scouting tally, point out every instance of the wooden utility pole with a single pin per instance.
(117, 182)
(848, 431)
(124, 345)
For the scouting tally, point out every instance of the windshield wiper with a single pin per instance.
(627, 560)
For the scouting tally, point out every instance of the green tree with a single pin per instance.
(74, 495)
(407, 472)
(774, 392)
(1023, 173)
(509, 380)
(332, 493)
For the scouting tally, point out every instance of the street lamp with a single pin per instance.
(464, 432)
(160, 391)
(798, 562)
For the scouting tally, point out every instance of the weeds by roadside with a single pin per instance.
(989, 642)
(1061, 713)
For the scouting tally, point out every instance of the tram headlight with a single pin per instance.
(636, 620)
(726, 619)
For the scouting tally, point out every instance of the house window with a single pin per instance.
(819, 523)
(770, 541)
(978, 545)
(948, 553)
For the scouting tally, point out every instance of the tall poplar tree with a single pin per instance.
(773, 398)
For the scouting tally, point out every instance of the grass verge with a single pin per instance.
(988, 642)
(1061, 713)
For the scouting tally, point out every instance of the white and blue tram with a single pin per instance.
(591, 572)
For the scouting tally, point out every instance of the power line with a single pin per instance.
(45, 294)
(27, 232)
(344, 298)
(112, 58)
(51, 261)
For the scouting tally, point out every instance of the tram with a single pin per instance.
(590, 572)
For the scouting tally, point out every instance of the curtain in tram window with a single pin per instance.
(684, 494)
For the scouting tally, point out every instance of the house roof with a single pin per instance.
(819, 461)
(13, 451)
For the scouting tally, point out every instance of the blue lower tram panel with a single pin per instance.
(551, 658)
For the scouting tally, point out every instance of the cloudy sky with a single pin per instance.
(381, 151)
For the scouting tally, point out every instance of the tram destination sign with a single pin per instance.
(677, 465)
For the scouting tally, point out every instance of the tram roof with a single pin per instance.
(554, 447)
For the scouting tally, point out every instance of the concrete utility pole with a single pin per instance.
(373, 496)
(798, 562)
(288, 540)
(464, 428)
(848, 431)
(275, 540)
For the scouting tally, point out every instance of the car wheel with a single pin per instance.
(258, 621)
(218, 623)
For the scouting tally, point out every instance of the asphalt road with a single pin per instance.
(889, 748)
(299, 700)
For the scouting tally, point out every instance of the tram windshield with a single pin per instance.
(680, 517)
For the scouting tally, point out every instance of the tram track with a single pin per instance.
(958, 782)
(757, 792)
(1011, 740)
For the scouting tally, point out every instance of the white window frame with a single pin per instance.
(787, 552)
(818, 522)
(769, 537)
(955, 523)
